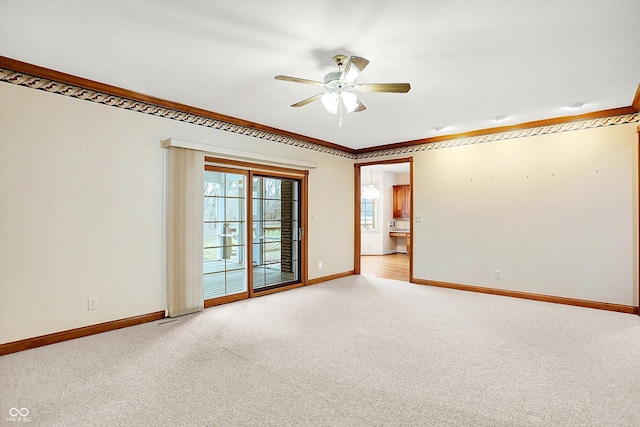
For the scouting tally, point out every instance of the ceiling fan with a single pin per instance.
(340, 86)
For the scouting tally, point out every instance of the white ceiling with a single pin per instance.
(468, 62)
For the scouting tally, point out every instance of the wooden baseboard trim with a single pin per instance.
(536, 297)
(330, 277)
(26, 344)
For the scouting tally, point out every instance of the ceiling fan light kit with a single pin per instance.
(330, 102)
(340, 86)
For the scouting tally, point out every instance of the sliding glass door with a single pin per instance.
(276, 231)
(225, 243)
(253, 232)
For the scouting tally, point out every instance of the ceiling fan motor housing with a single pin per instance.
(332, 76)
(333, 82)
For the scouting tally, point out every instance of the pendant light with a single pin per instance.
(370, 191)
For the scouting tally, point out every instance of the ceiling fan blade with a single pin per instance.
(353, 68)
(307, 101)
(297, 80)
(359, 108)
(384, 87)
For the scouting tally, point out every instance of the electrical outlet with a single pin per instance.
(92, 304)
(319, 264)
(498, 275)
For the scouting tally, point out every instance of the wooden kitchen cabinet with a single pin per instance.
(402, 201)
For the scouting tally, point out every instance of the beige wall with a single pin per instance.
(556, 214)
(82, 208)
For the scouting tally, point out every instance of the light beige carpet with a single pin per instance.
(358, 351)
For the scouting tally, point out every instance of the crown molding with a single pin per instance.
(36, 77)
(505, 129)
(635, 104)
(616, 116)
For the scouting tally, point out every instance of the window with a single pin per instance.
(367, 214)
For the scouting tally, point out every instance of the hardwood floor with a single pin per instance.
(393, 266)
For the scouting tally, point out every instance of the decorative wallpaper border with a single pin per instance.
(512, 134)
(24, 79)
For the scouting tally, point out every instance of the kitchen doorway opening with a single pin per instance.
(383, 219)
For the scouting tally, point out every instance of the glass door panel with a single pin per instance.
(275, 231)
(224, 234)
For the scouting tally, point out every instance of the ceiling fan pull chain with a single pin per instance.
(340, 111)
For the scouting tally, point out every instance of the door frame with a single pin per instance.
(357, 246)
(249, 168)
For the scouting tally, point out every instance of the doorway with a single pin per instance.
(254, 221)
(383, 220)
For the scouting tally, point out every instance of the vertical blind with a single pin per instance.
(184, 235)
